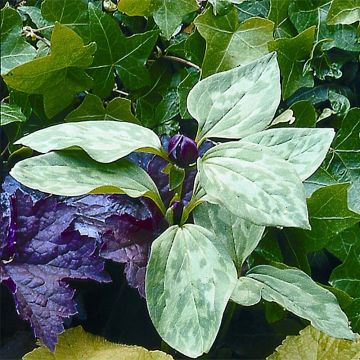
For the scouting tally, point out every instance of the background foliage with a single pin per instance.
(62, 61)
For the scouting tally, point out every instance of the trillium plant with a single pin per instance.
(218, 193)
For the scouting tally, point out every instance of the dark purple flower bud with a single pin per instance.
(183, 150)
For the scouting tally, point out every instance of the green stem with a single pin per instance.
(229, 312)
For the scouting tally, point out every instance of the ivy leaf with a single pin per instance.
(71, 13)
(80, 175)
(183, 90)
(230, 43)
(344, 12)
(254, 184)
(253, 8)
(190, 291)
(11, 113)
(105, 141)
(305, 14)
(62, 69)
(14, 49)
(116, 53)
(305, 149)
(75, 342)
(239, 237)
(41, 251)
(279, 15)
(311, 341)
(237, 102)
(343, 162)
(92, 108)
(346, 276)
(293, 77)
(167, 14)
(298, 293)
(220, 7)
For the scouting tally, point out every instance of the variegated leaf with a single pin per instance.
(72, 173)
(247, 291)
(297, 292)
(305, 149)
(254, 183)
(189, 280)
(104, 141)
(238, 102)
(240, 237)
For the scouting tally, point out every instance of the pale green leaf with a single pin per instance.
(167, 14)
(292, 67)
(312, 344)
(62, 69)
(77, 344)
(237, 102)
(299, 294)
(230, 43)
(239, 237)
(305, 149)
(10, 113)
(189, 280)
(14, 49)
(254, 183)
(247, 291)
(73, 173)
(92, 108)
(221, 6)
(105, 141)
(344, 12)
(125, 55)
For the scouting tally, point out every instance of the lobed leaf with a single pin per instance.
(10, 113)
(105, 141)
(344, 12)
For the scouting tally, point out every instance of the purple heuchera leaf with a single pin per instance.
(40, 251)
(183, 150)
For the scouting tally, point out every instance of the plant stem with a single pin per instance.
(229, 312)
(181, 61)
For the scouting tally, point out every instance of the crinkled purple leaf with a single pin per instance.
(128, 240)
(44, 254)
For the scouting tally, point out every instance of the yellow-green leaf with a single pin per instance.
(77, 344)
(312, 344)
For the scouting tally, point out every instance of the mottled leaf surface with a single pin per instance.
(254, 183)
(105, 141)
(239, 237)
(80, 175)
(62, 69)
(75, 342)
(305, 149)
(298, 293)
(237, 102)
(230, 43)
(186, 295)
(14, 49)
(247, 291)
